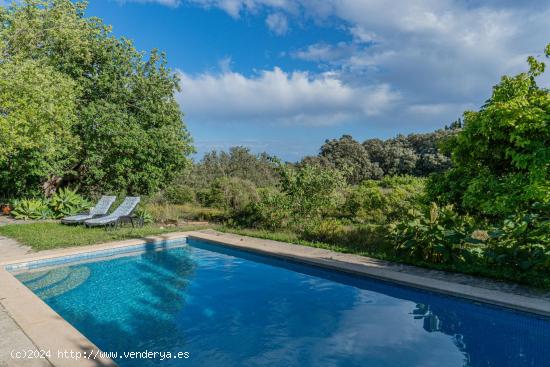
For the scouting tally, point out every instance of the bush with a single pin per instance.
(385, 201)
(441, 236)
(230, 193)
(271, 211)
(501, 158)
(144, 216)
(67, 202)
(163, 213)
(368, 239)
(311, 191)
(63, 203)
(327, 231)
(522, 243)
(31, 209)
(179, 194)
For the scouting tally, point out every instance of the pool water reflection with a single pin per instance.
(231, 308)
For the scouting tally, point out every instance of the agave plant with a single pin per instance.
(67, 202)
(144, 216)
(31, 209)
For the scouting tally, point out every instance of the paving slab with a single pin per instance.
(10, 248)
(14, 342)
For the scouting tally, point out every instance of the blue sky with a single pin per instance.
(284, 75)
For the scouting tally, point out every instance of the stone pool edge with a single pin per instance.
(49, 331)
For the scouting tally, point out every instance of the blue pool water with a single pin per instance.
(231, 308)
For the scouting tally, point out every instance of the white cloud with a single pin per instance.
(323, 52)
(277, 23)
(170, 3)
(235, 7)
(277, 96)
(435, 52)
(438, 56)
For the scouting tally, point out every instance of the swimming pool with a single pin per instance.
(226, 307)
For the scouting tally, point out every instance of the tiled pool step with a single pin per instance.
(70, 282)
(64, 260)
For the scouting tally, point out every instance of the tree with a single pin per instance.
(37, 115)
(414, 154)
(238, 162)
(311, 190)
(129, 124)
(501, 158)
(351, 158)
(394, 156)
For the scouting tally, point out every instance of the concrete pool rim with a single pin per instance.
(47, 330)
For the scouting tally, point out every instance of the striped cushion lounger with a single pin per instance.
(122, 213)
(99, 210)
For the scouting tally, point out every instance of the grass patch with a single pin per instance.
(45, 236)
(293, 237)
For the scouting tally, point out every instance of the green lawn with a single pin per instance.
(45, 235)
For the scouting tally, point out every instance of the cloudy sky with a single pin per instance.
(283, 75)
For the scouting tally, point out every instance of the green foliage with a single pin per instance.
(233, 194)
(306, 194)
(385, 201)
(522, 243)
(238, 162)
(179, 194)
(351, 158)
(501, 159)
(31, 209)
(272, 211)
(100, 114)
(414, 154)
(311, 190)
(169, 213)
(144, 216)
(37, 116)
(440, 236)
(66, 202)
(326, 230)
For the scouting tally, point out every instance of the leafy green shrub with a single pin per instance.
(231, 193)
(67, 202)
(312, 191)
(162, 213)
(327, 231)
(271, 211)
(385, 201)
(31, 209)
(522, 243)
(365, 238)
(441, 236)
(179, 194)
